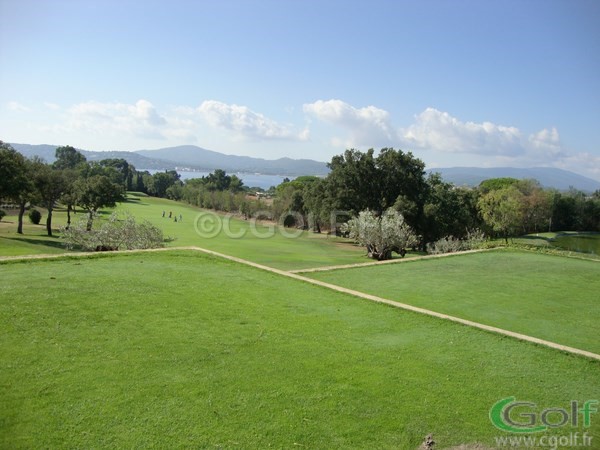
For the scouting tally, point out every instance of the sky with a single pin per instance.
(455, 82)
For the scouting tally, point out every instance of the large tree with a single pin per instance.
(96, 192)
(68, 157)
(502, 210)
(16, 174)
(50, 184)
(13, 172)
(448, 210)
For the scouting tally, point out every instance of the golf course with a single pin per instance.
(179, 348)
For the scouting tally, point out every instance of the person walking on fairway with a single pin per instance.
(170, 214)
(163, 213)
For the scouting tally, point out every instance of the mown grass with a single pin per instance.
(34, 239)
(177, 349)
(549, 297)
(259, 242)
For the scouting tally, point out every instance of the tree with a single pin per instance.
(359, 181)
(354, 182)
(161, 181)
(68, 157)
(537, 205)
(97, 192)
(13, 173)
(501, 209)
(123, 172)
(50, 184)
(16, 176)
(447, 211)
(381, 234)
(317, 203)
(493, 184)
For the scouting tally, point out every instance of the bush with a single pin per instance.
(2, 214)
(449, 244)
(114, 234)
(35, 216)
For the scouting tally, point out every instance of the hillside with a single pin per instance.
(547, 176)
(190, 156)
(141, 162)
(200, 158)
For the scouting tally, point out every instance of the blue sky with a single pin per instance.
(458, 83)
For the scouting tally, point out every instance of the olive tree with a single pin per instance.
(381, 235)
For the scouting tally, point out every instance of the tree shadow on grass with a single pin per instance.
(51, 242)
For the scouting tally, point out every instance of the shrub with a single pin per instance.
(475, 239)
(35, 216)
(2, 214)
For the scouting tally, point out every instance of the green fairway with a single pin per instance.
(179, 349)
(548, 297)
(262, 243)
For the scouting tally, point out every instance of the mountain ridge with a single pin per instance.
(549, 177)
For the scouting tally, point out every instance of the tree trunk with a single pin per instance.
(21, 214)
(90, 220)
(49, 221)
(68, 216)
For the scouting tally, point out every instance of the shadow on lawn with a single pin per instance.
(52, 242)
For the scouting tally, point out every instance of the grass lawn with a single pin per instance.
(34, 239)
(179, 349)
(549, 297)
(269, 246)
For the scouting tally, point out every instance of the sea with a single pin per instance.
(250, 179)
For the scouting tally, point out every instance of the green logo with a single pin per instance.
(521, 417)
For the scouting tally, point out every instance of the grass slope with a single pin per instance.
(549, 297)
(177, 349)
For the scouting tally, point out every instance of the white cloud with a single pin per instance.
(546, 141)
(140, 119)
(246, 123)
(583, 162)
(437, 130)
(17, 107)
(369, 126)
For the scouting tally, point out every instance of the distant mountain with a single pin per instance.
(192, 157)
(47, 152)
(547, 176)
(200, 158)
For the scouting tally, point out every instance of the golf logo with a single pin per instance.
(515, 416)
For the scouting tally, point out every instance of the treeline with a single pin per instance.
(72, 181)
(360, 181)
